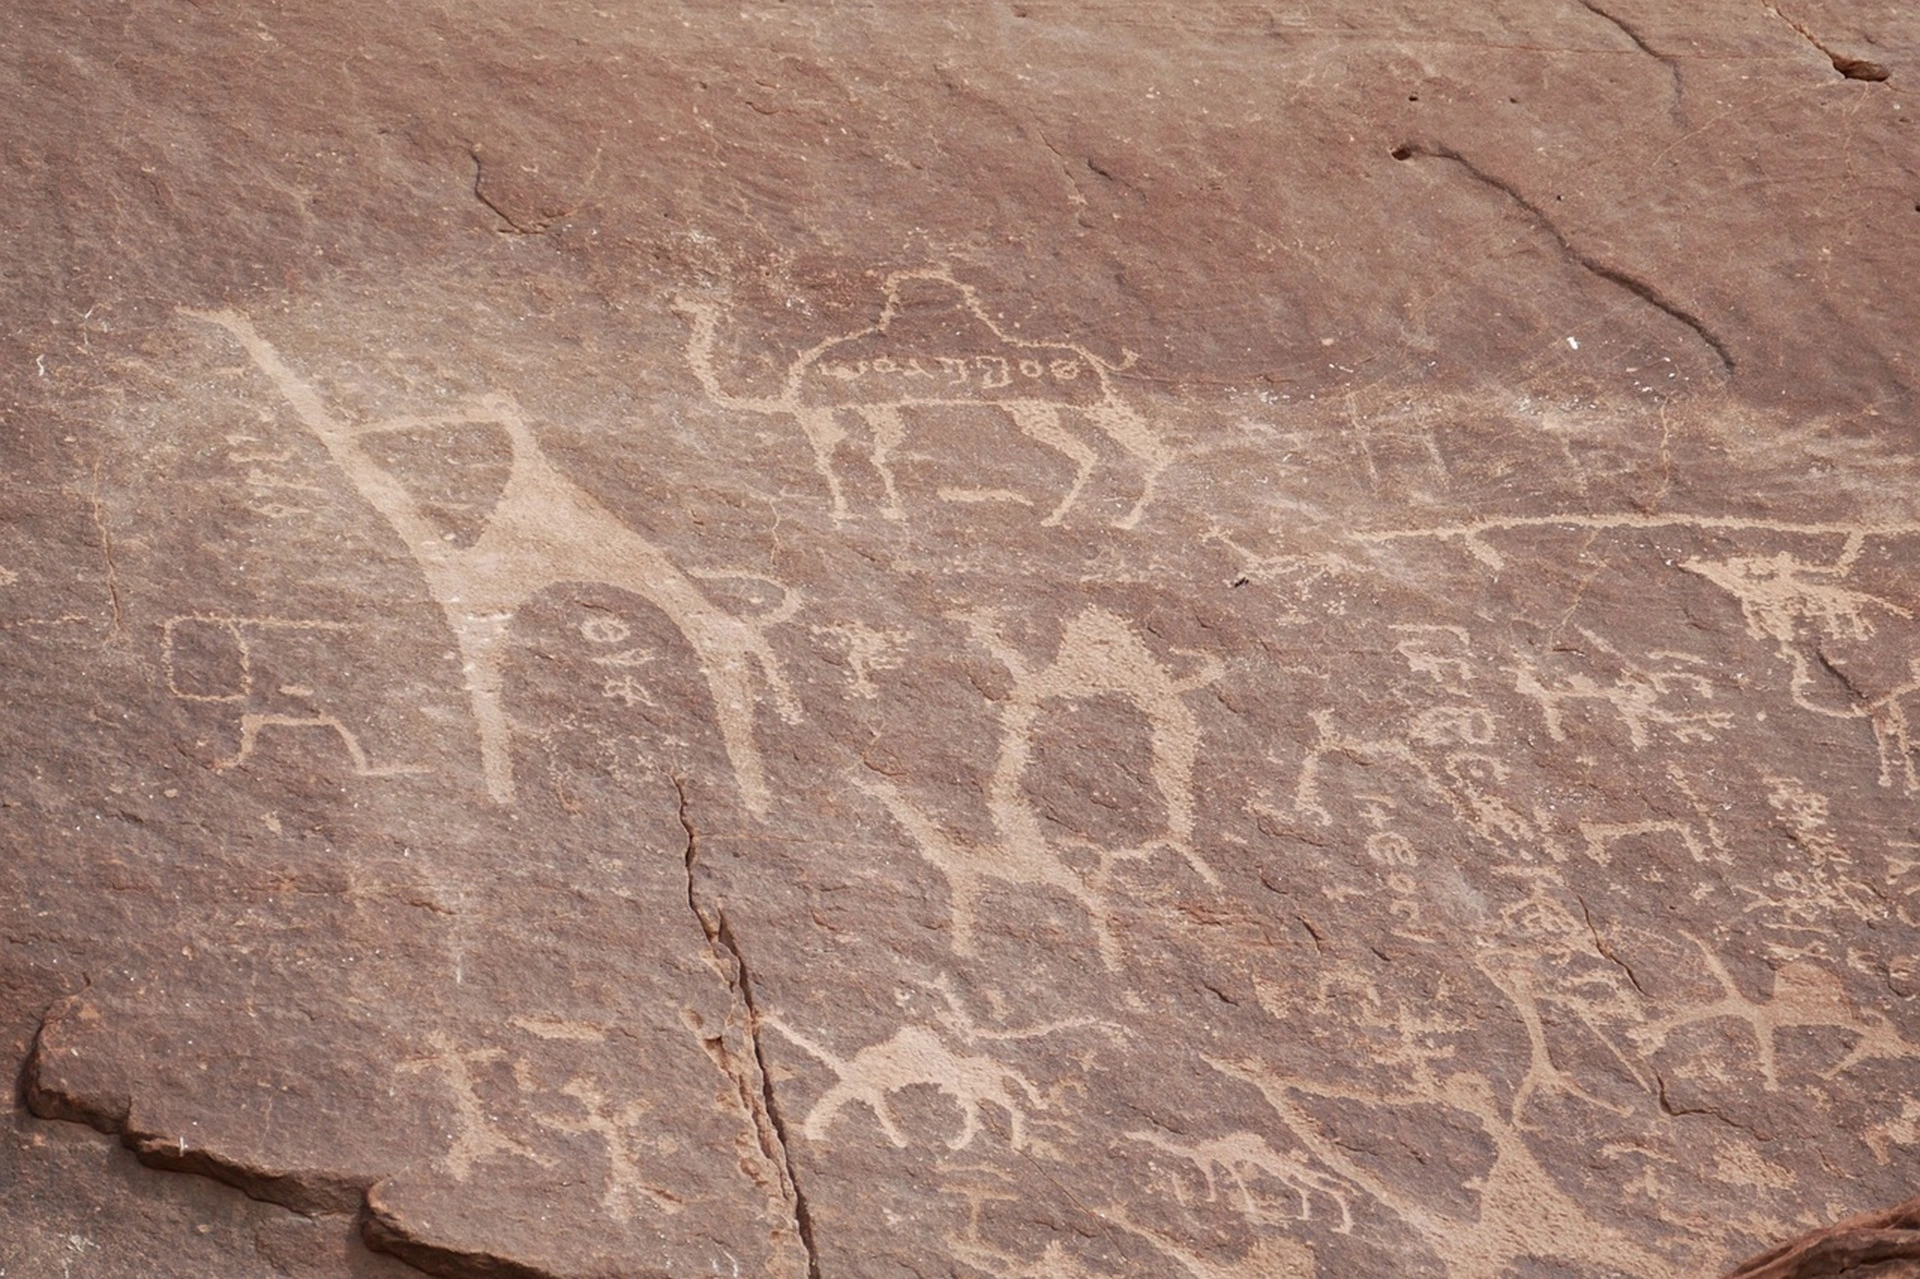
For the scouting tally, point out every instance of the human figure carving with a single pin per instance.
(626, 1189)
(542, 531)
(479, 1136)
(934, 346)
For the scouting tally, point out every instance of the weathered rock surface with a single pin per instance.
(1882, 1244)
(1055, 641)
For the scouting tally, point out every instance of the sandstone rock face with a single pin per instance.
(1052, 641)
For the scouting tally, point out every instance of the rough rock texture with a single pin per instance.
(1037, 641)
(1884, 1245)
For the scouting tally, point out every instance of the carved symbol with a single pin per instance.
(1893, 731)
(935, 346)
(1439, 652)
(628, 691)
(210, 659)
(265, 478)
(868, 651)
(604, 630)
(543, 530)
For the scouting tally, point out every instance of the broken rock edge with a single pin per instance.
(307, 1192)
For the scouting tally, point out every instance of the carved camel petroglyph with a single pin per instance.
(1523, 1212)
(1099, 653)
(920, 1055)
(934, 346)
(915, 1055)
(1800, 607)
(1244, 1157)
(543, 530)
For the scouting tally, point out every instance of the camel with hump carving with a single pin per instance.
(934, 346)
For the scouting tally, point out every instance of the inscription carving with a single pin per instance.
(935, 346)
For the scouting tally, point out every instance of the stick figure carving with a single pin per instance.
(542, 530)
(934, 346)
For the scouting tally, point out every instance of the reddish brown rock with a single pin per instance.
(1882, 1244)
(1064, 641)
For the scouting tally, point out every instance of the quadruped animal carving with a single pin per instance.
(542, 530)
(916, 1055)
(1798, 606)
(1805, 995)
(1522, 1212)
(1099, 653)
(935, 346)
(1245, 1160)
(922, 1055)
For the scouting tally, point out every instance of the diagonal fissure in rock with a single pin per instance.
(1640, 288)
(45, 1088)
(1851, 67)
(750, 1077)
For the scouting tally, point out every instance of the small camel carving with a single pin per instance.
(1800, 607)
(921, 1055)
(935, 346)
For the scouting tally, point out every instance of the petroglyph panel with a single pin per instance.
(1186, 644)
(1182, 886)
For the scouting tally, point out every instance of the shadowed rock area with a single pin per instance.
(1033, 641)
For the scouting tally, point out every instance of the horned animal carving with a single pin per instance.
(934, 347)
